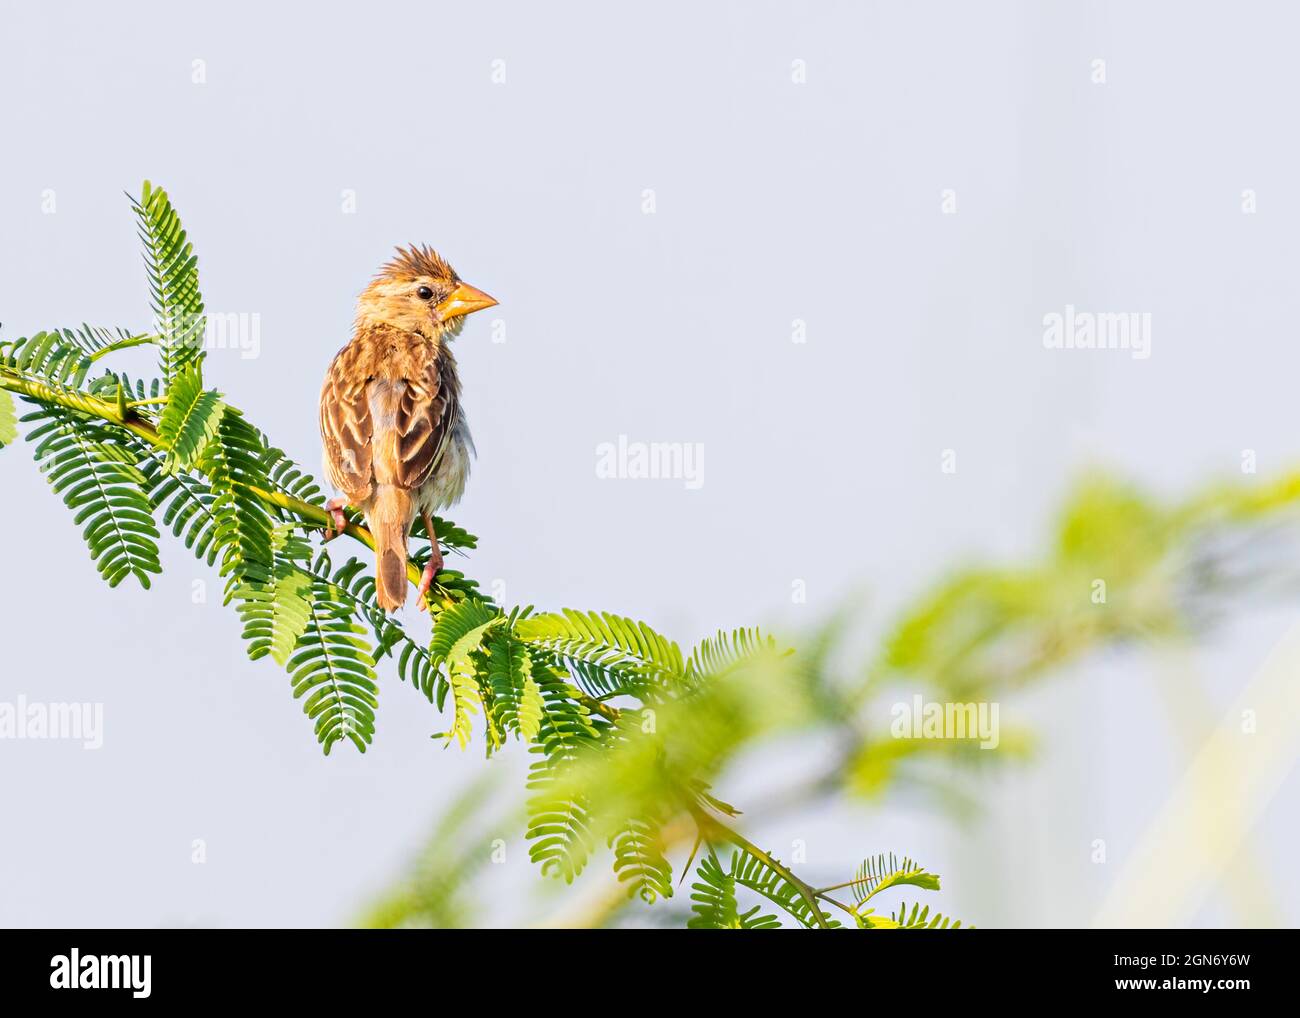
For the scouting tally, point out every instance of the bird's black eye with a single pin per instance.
(424, 293)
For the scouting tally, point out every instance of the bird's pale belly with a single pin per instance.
(446, 484)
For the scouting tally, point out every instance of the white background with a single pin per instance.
(775, 201)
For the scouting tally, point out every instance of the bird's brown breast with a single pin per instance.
(389, 406)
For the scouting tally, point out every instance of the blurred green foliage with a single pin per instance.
(1121, 569)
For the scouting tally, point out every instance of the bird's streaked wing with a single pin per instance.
(345, 427)
(426, 411)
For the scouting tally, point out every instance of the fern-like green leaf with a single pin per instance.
(607, 643)
(233, 464)
(96, 474)
(713, 898)
(639, 861)
(449, 534)
(713, 902)
(8, 419)
(717, 654)
(286, 476)
(190, 419)
(559, 826)
(516, 698)
(917, 919)
(453, 624)
(531, 707)
(354, 584)
(54, 357)
(414, 665)
(752, 872)
(173, 282)
(113, 384)
(884, 871)
(462, 677)
(332, 666)
(559, 821)
(275, 612)
(185, 504)
(97, 341)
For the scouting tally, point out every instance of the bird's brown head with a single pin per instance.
(418, 291)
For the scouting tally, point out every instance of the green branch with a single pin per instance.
(111, 413)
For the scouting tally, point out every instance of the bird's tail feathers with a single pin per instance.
(389, 517)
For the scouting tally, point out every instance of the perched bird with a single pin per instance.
(396, 440)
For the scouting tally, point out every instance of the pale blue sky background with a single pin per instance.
(774, 201)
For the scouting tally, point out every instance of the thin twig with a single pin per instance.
(122, 344)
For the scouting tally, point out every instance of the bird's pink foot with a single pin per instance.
(431, 569)
(335, 508)
(433, 566)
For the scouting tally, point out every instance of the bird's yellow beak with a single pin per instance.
(463, 300)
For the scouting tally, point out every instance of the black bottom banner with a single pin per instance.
(145, 968)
